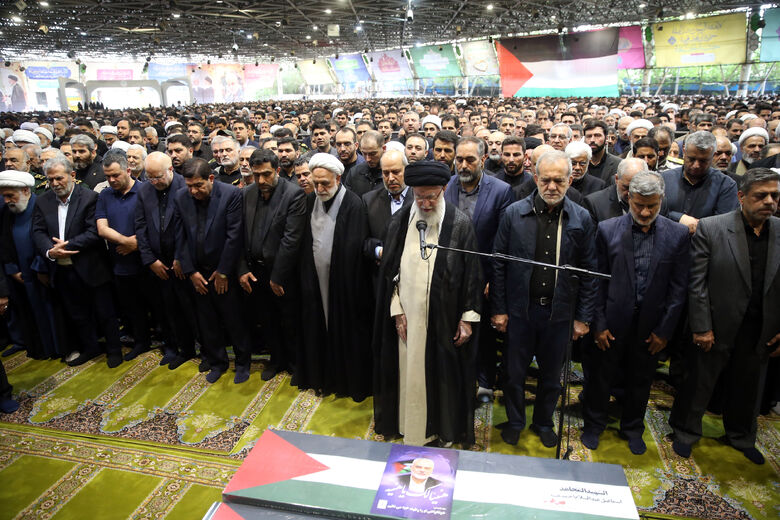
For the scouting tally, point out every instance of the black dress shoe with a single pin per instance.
(168, 356)
(269, 372)
(177, 361)
(81, 359)
(242, 375)
(13, 350)
(753, 455)
(548, 437)
(510, 435)
(137, 351)
(204, 366)
(114, 361)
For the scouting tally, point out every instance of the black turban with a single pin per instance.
(532, 142)
(427, 173)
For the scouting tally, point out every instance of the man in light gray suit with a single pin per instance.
(734, 299)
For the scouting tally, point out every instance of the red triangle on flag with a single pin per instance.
(513, 73)
(273, 459)
(225, 512)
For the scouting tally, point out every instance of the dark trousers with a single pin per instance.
(6, 390)
(626, 356)
(88, 309)
(527, 337)
(487, 350)
(276, 316)
(175, 315)
(743, 368)
(133, 294)
(213, 310)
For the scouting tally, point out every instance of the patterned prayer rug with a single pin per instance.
(141, 441)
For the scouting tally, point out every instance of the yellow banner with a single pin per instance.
(716, 40)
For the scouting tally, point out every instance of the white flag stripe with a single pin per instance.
(582, 73)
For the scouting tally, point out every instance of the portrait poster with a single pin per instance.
(417, 483)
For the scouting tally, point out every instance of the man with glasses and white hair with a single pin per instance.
(426, 319)
(335, 277)
(226, 152)
(533, 304)
(580, 154)
(637, 310)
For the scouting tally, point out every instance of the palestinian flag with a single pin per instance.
(566, 65)
(310, 474)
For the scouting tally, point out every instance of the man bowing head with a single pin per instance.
(427, 312)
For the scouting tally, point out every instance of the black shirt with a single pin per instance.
(543, 278)
(202, 209)
(695, 195)
(261, 213)
(643, 252)
(167, 236)
(758, 249)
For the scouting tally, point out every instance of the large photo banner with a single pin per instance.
(165, 71)
(435, 61)
(217, 83)
(631, 53)
(352, 74)
(714, 40)
(479, 58)
(770, 36)
(315, 72)
(578, 64)
(260, 81)
(14, 91)
(43, 83)
(391, 72)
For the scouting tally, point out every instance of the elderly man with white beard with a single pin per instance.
(750, 144)
(136, 155)
(427, 315)
(226, 150)
(334, 357)
(247, 177)
(30, 300)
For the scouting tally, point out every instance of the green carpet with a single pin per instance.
(141, 441)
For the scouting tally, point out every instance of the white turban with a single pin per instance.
(274, 128)
(170, 124)
(108, 130)
(44, 132)
(120, 145)
(436, 120)
(639, 123)
(16, 179)
(670, 106)
(750, 132)
(25, 136)
(731, 114)
(28, 125)
(747, 117)
(617, 112)
(327, 161)
(395, 145)
(639, 105)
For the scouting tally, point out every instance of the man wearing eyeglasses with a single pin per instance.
(533, 304)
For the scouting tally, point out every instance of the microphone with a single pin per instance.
(421, 227)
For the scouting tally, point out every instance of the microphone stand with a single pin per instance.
(573, 273)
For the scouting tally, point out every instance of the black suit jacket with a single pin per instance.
(282, 230)
(377, 203)
(224, 233)
(603, 204)
(91, 263)
(148, 230)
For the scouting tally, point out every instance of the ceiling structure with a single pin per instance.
(197, 30)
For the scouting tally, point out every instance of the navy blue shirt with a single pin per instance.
(643, 253)
(119, 210)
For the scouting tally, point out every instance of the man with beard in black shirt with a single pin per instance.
(287, 151)
(200, 150)
(86, 162)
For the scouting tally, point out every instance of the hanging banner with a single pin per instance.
(260, 81)
(292, 81)
(391, 72)
(217, 83)
(480, 58)
(101, 71)
(315, 72)
(165, 71)
(770, 36)
(14, 92)
(350, 68)
(577, 64)
(435, 61)
(631, 53)
(43, 83)
(715, 40)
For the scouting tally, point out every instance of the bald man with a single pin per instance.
(156, 243)
(528, 186)
(493, 163)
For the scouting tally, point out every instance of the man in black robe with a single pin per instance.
(335, 355)
(424, 369)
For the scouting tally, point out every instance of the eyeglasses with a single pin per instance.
(428, 198)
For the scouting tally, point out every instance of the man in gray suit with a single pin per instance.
(734, 298)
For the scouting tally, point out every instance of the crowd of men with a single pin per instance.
(339, 239)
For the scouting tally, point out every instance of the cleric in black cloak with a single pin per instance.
(427, 319)
(335, 355)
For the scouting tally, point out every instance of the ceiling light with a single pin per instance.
(690, 16)
(642, 6)
(490, 7)
(44, 4)
(176, 15)
(83, 33)
(107, 38)
(314, 27)
(16, 19)
(265, 45)
(308, 37)
(358, 28)
(248, 36)
(328, 11)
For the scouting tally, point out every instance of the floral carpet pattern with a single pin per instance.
(141, 441)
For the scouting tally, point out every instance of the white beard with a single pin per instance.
(432, 218)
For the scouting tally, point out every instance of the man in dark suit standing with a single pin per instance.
(612, 201)
(734, 314)
(209, 241)
(65, 232)
(648, 257)
(157, 246)
(383, 203)
(483, 198)
(274, 218)
(533, 305)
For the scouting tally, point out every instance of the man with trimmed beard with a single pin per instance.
(287, 151)
(532, 304)
(274, 217)
(25, 268)
(247, 177)
(602, 163)
(493, 162)
(444, 144)
(427, 315)
(513, 156)
(86, 162)
(226, 151)
(346, 147)
(136, 155)
(179, 149)
(200, 150)
(382, 204)
(366, 176)
(750, 144)
(334, 358)
(302, 174)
